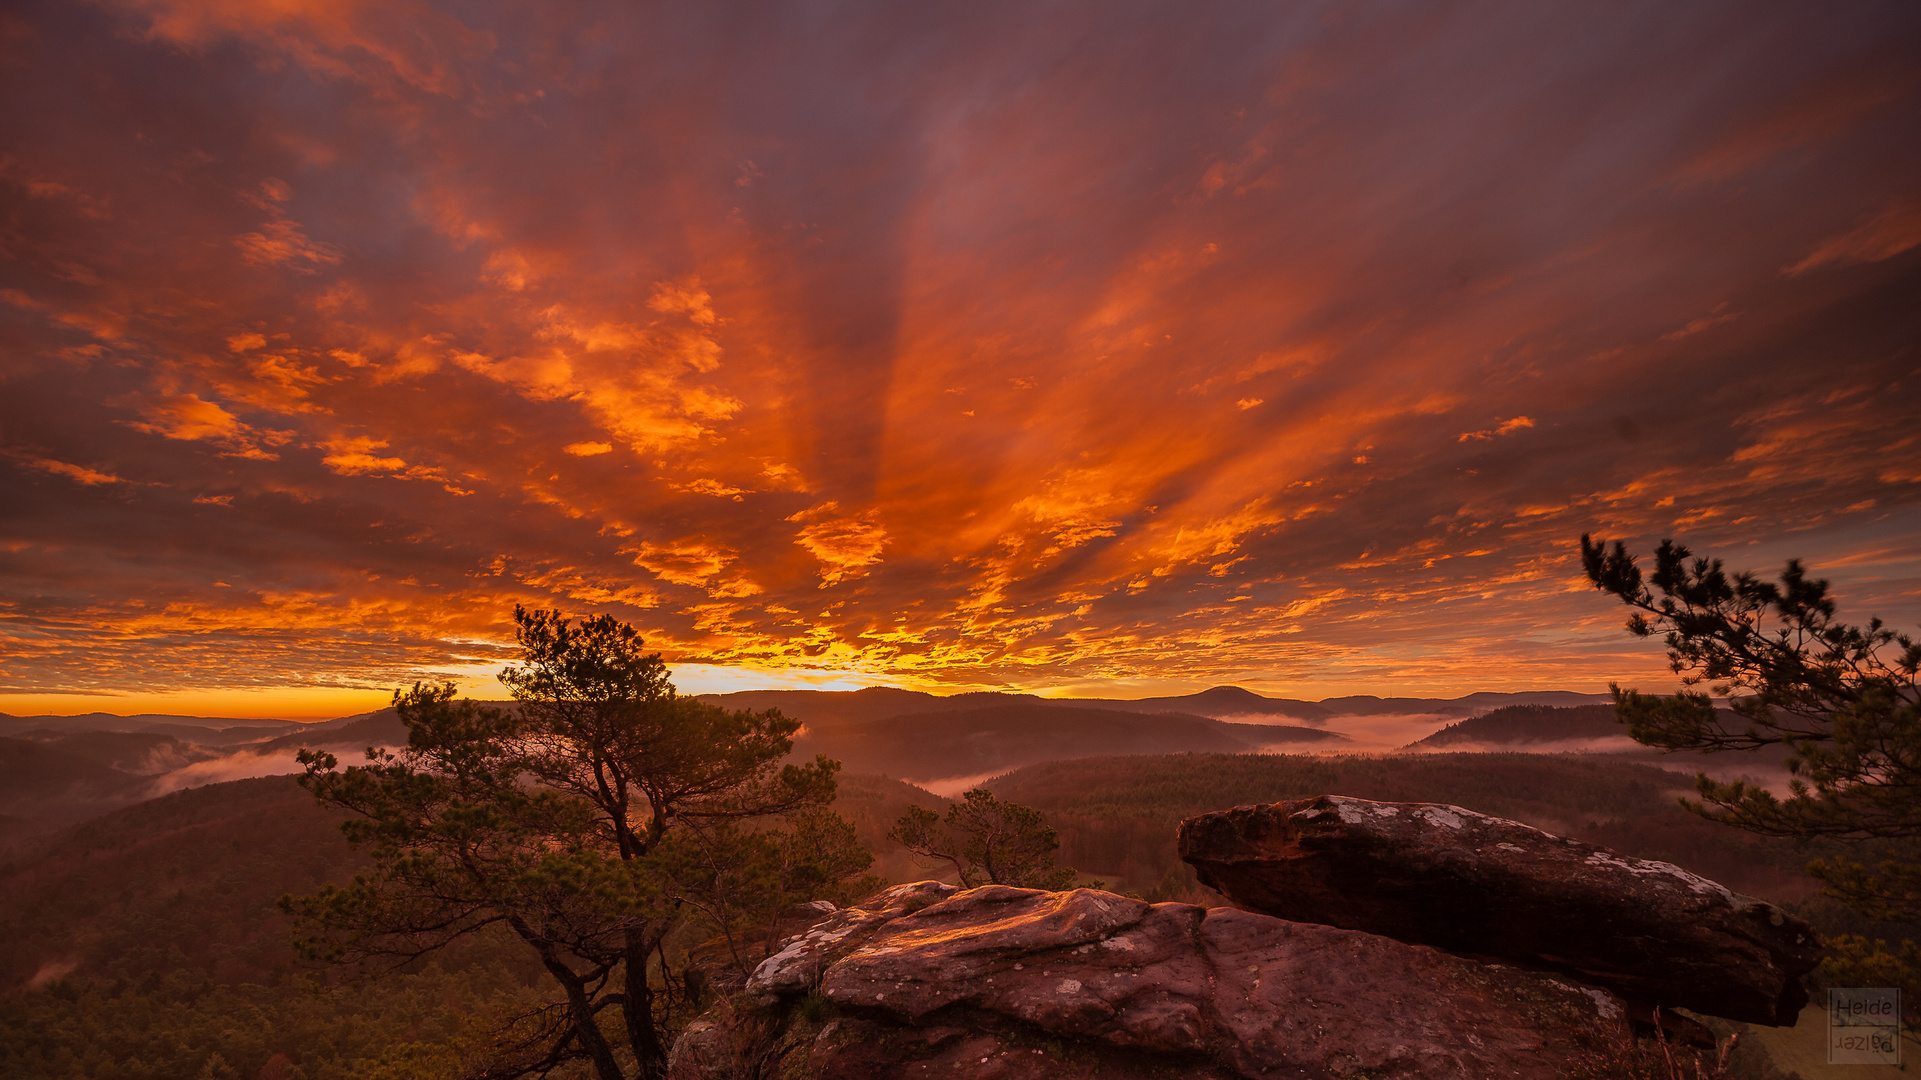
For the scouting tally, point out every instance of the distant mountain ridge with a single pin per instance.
(1523, 724)
(1218, 702)
(870, 703)
(58, 769)
(922, 736)
(165, 723)
(1592, 730)
(382, 727)
(930, 746)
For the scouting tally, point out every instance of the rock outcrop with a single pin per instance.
(1443, 876)
(925, 980)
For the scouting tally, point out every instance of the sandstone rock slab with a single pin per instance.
(1443, 876)
(998, 981)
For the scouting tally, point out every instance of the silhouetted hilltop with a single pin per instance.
(821, 707)
(917, 736)
(142, 753)
(100, 721)
(1521, 724)
(211, 861)
(1007, 735)
(1369, 705)
(875, 703)
(905, 733)
(1591, 729)
(238, 735)
(1214, 702)
(379, 728)
(32, 771)
(1116, 815)
(44, 786)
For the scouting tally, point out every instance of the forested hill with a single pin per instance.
(44, 785)
(1007, 735)
(1466, 705)
(819, 707)
(923, 737)
(1219, 702)
(147, 944)
(152, 929)
(1592, 728)
(381, 727)
(188, 881)
(199, 728)
(1522, 724)
(1117, 815)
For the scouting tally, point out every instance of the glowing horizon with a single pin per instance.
(997, 349)
(314, 705)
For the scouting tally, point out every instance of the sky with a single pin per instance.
(1075, 348)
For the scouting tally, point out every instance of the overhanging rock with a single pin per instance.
(1443, 876)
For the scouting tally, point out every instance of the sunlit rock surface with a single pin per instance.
(1443, 876)
(927, 981)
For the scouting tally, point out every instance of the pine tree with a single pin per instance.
(1842, 698)
(571, 823)
(987, 841)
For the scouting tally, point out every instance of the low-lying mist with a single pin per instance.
(241, 765)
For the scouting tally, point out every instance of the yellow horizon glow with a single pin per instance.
(314, 704)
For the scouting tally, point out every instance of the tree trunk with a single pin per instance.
(639, 1009)
(586, 1028)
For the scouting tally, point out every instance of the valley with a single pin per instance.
(139, 879)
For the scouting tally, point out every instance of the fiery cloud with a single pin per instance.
(967, 347)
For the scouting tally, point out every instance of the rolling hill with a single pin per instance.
(1215, 702)
(44, 786)
(919, 736)
(1116, 815)
(140, 753)
(1591, 730)
(933, 746)
(879, 702)
(381, 727)
(1219, 702)
(190, 879)
(166, 723)
(1517, 725)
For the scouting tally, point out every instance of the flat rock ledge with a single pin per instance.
(927, 980)
(1443, 876)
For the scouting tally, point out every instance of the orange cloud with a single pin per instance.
(79, 474)
(1213, 348)
(354, 456)
(284, 243)
(1505, 427)
(845, 546)
(1887, 234)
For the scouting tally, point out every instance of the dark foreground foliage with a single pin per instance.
(599, 824)
(1843, 700)
(180, 1026)
(159, 947)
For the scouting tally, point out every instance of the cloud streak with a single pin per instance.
(997, 347)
